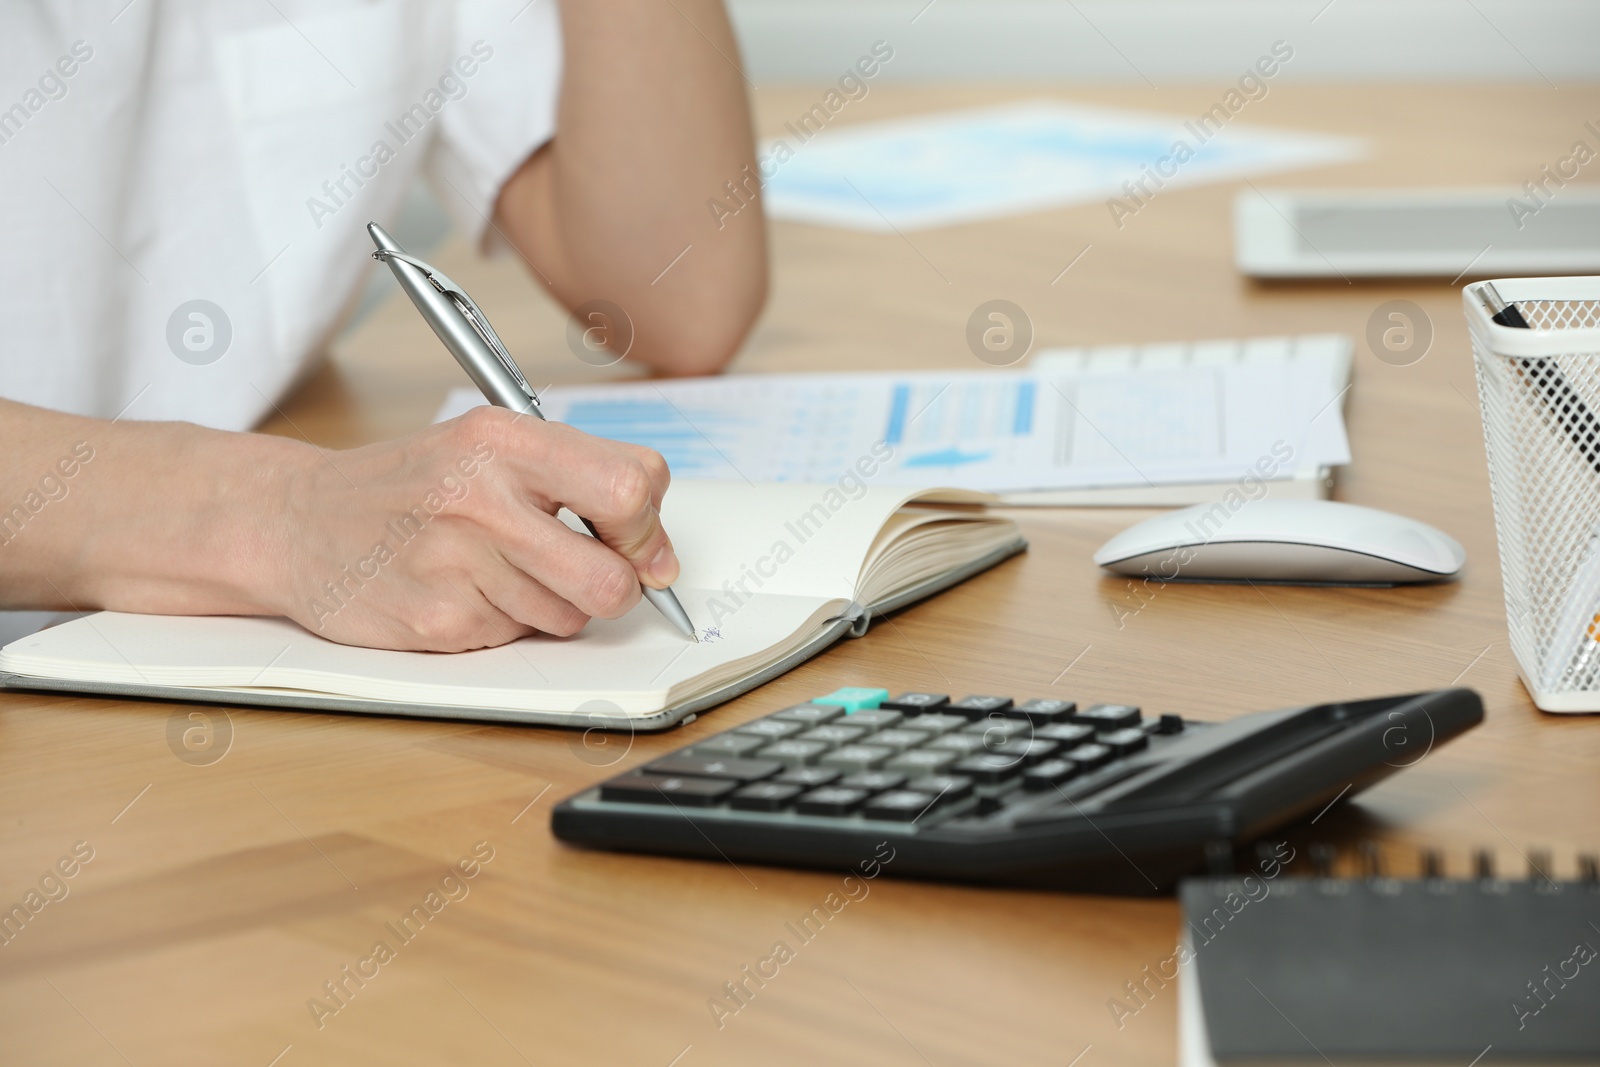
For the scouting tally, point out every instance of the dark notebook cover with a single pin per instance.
(1459, 971)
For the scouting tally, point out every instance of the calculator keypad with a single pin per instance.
(979, 706)
(994, 730)
(812, 714)
(1108, 716)
(734, 744)
(831, 800)
(1025, 790)
(764, 796)
(856, 757)
(964, 744)
(776, 729)
(1042, 712)
(660, 789)
(922, 761)
(835, 735)
(857, 754)
(791, 753)
(937, 723)
(897, 805)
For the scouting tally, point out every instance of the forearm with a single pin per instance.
(653, 122)
(443, 540)
(152, 517)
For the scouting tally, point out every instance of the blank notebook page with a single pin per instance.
(764, 566)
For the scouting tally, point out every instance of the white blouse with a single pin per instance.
(184, 184)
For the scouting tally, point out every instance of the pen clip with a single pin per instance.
(1501, 312)
(1490, 298)
(469, 310)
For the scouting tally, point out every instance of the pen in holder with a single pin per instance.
(1536, 348)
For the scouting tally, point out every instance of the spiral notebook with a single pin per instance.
(1275, 971)
(772, 575)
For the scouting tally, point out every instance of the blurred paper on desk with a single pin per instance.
(963, 166)
(1169, 423)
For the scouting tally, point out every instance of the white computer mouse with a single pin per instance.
(1297, 541)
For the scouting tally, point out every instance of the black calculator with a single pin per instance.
(996, 790)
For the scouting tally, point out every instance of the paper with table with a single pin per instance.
(1153, 424)
(962, 166)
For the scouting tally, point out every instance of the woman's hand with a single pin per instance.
(442, 541)
(448, 539)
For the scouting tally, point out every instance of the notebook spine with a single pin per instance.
(1370, 861)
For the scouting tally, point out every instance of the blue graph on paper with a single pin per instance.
(686, 440)
(949, 457)
(785, 429)
(962, 166)
(753, 429)
(1091, 420)
(944, 428)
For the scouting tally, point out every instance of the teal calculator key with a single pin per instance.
(854, 698)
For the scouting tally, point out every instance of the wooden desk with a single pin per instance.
(221, 897)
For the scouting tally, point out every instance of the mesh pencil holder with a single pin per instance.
(1540, 395)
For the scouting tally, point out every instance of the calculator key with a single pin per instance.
(813, 714)
(1089, 756)
(856, 757)
(873, 781)
(1068, 733)
(794, 752)
(834, 735)
(997, 730)
(922, 761)
(873, 719)
(1170, 724)
(830, 800)
(808, 777)
(739, 770)
(764, 796)
(916, 703)
(1123, 742)
(727, 745)
(1043, 712)
(901, 805)
(854, 698)
(976, 707)
(664, 789)
(948, 788)
(964, 744)
(1050, 773)
(775, 729)
(1108, 716)
(1027, 750)
(898, 739)
(935, 723)
(988, 768)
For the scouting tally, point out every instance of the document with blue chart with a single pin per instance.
(1143, 419)
(963, 166)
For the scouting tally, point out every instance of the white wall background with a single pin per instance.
(1174, 41)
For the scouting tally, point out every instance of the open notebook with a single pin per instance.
(772, 575)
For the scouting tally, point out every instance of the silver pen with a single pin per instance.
(466, 332)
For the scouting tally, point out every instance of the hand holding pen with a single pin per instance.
(466, 333)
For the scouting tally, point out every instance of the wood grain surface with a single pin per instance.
(222, 895)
